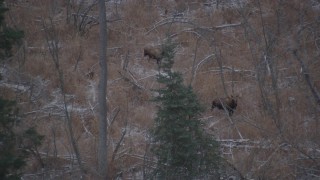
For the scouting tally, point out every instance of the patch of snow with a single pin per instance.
(92, 92)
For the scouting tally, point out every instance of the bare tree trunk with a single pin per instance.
(300, 54)
(53, 45)
(306, 74)
(219, 60)
(270, 44)
(102, 114)
(193, 73)
(68, 11)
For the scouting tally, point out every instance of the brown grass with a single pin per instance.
(297, 111)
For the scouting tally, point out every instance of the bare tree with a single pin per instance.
(102, 114)
(53, 46)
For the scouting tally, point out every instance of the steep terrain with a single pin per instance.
(265, 51)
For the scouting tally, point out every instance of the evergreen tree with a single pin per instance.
(8, 35)
(15, 145)
(10, 160)
(183, 149)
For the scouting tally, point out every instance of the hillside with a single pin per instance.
(264, 51)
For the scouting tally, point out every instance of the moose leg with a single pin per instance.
(230, 112)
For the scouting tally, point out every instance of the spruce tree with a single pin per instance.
(10, 159)
(183, 149)
(15, 146)
(16, 142)
(8, 35)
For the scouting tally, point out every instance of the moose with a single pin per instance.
(153, 53)
(229, 103)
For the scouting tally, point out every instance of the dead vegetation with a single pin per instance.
(266, 50)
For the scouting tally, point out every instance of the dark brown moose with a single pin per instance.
(153, 53)
(229, 103)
